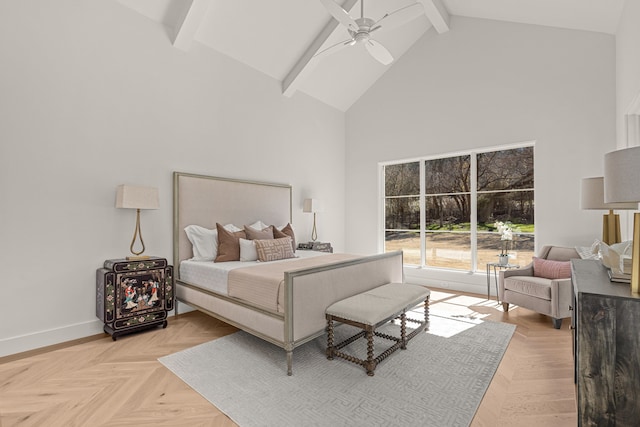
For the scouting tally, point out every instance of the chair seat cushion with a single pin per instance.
(538, 287)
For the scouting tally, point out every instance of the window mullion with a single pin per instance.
(474, 212)
(381, 210)
(423, 216)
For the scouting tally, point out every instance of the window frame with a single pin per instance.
(474, 268)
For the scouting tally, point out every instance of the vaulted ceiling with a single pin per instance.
(281, 37)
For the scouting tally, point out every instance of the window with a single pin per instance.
(402, 210)
(442, 212)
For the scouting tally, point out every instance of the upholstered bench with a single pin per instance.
(372, 309)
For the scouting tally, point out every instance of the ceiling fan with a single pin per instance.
(361, 28)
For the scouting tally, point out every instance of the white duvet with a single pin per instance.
(213, 275)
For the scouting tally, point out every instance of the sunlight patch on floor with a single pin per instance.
(455, 311)
(450, 314)
(447, 320)
(438, 296)
(488, 303)
(466, 300)
(440, 325)
(446, 327)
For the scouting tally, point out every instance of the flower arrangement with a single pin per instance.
(505, 229)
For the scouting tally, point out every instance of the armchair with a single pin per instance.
(546, 295)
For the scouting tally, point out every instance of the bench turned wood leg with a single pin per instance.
(330, 339)
(403, 331)
(370, 365)
(426, 314)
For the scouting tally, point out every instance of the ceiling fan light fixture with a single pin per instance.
(361, 37)
(360, 29)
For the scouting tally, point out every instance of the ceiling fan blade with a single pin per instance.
(341, 15)
(379, 52)
(334, 48)
(399, 17)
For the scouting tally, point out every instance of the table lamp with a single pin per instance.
(132, 197)
(309, 206)
(592, 197)
(622, 184)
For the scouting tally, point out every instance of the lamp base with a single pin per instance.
(314, 232)
(611, 228)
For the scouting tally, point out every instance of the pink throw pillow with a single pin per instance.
(550, 269)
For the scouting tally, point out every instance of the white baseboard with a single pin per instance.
(22, 343)
(182, 307)
(446, 279)
(49, 337)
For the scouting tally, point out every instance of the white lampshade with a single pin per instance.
(622, 176)
(622, 184)
(592, 196)
(133, 197)
(311, 206)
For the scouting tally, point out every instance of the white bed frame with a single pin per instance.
(205, 200)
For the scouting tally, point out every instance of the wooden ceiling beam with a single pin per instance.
(186, 30)
(437, 14)
(306, 62)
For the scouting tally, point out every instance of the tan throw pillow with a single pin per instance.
(287, 230)
(550, 269)
(228, 244)
(274, 249)
(253, 234)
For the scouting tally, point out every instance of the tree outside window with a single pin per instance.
(448, 212)
(402, 210)
(505, 194)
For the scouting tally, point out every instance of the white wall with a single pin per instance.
(627, 65)
(93, 95)
(483, 84)
(627, 82)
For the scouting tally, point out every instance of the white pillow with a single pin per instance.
(259, 225)
(248, 250)
(589, 252)
(204, 241)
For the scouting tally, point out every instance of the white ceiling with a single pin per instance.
(273, 36)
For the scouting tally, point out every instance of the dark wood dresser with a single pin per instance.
(134, 295)
(606, 322)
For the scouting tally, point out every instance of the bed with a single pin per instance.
(307, 285)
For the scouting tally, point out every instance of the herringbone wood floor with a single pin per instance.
(98, 382)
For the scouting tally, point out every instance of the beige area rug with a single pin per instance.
(438, 381)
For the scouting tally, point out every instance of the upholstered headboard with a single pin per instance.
(204, 200)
